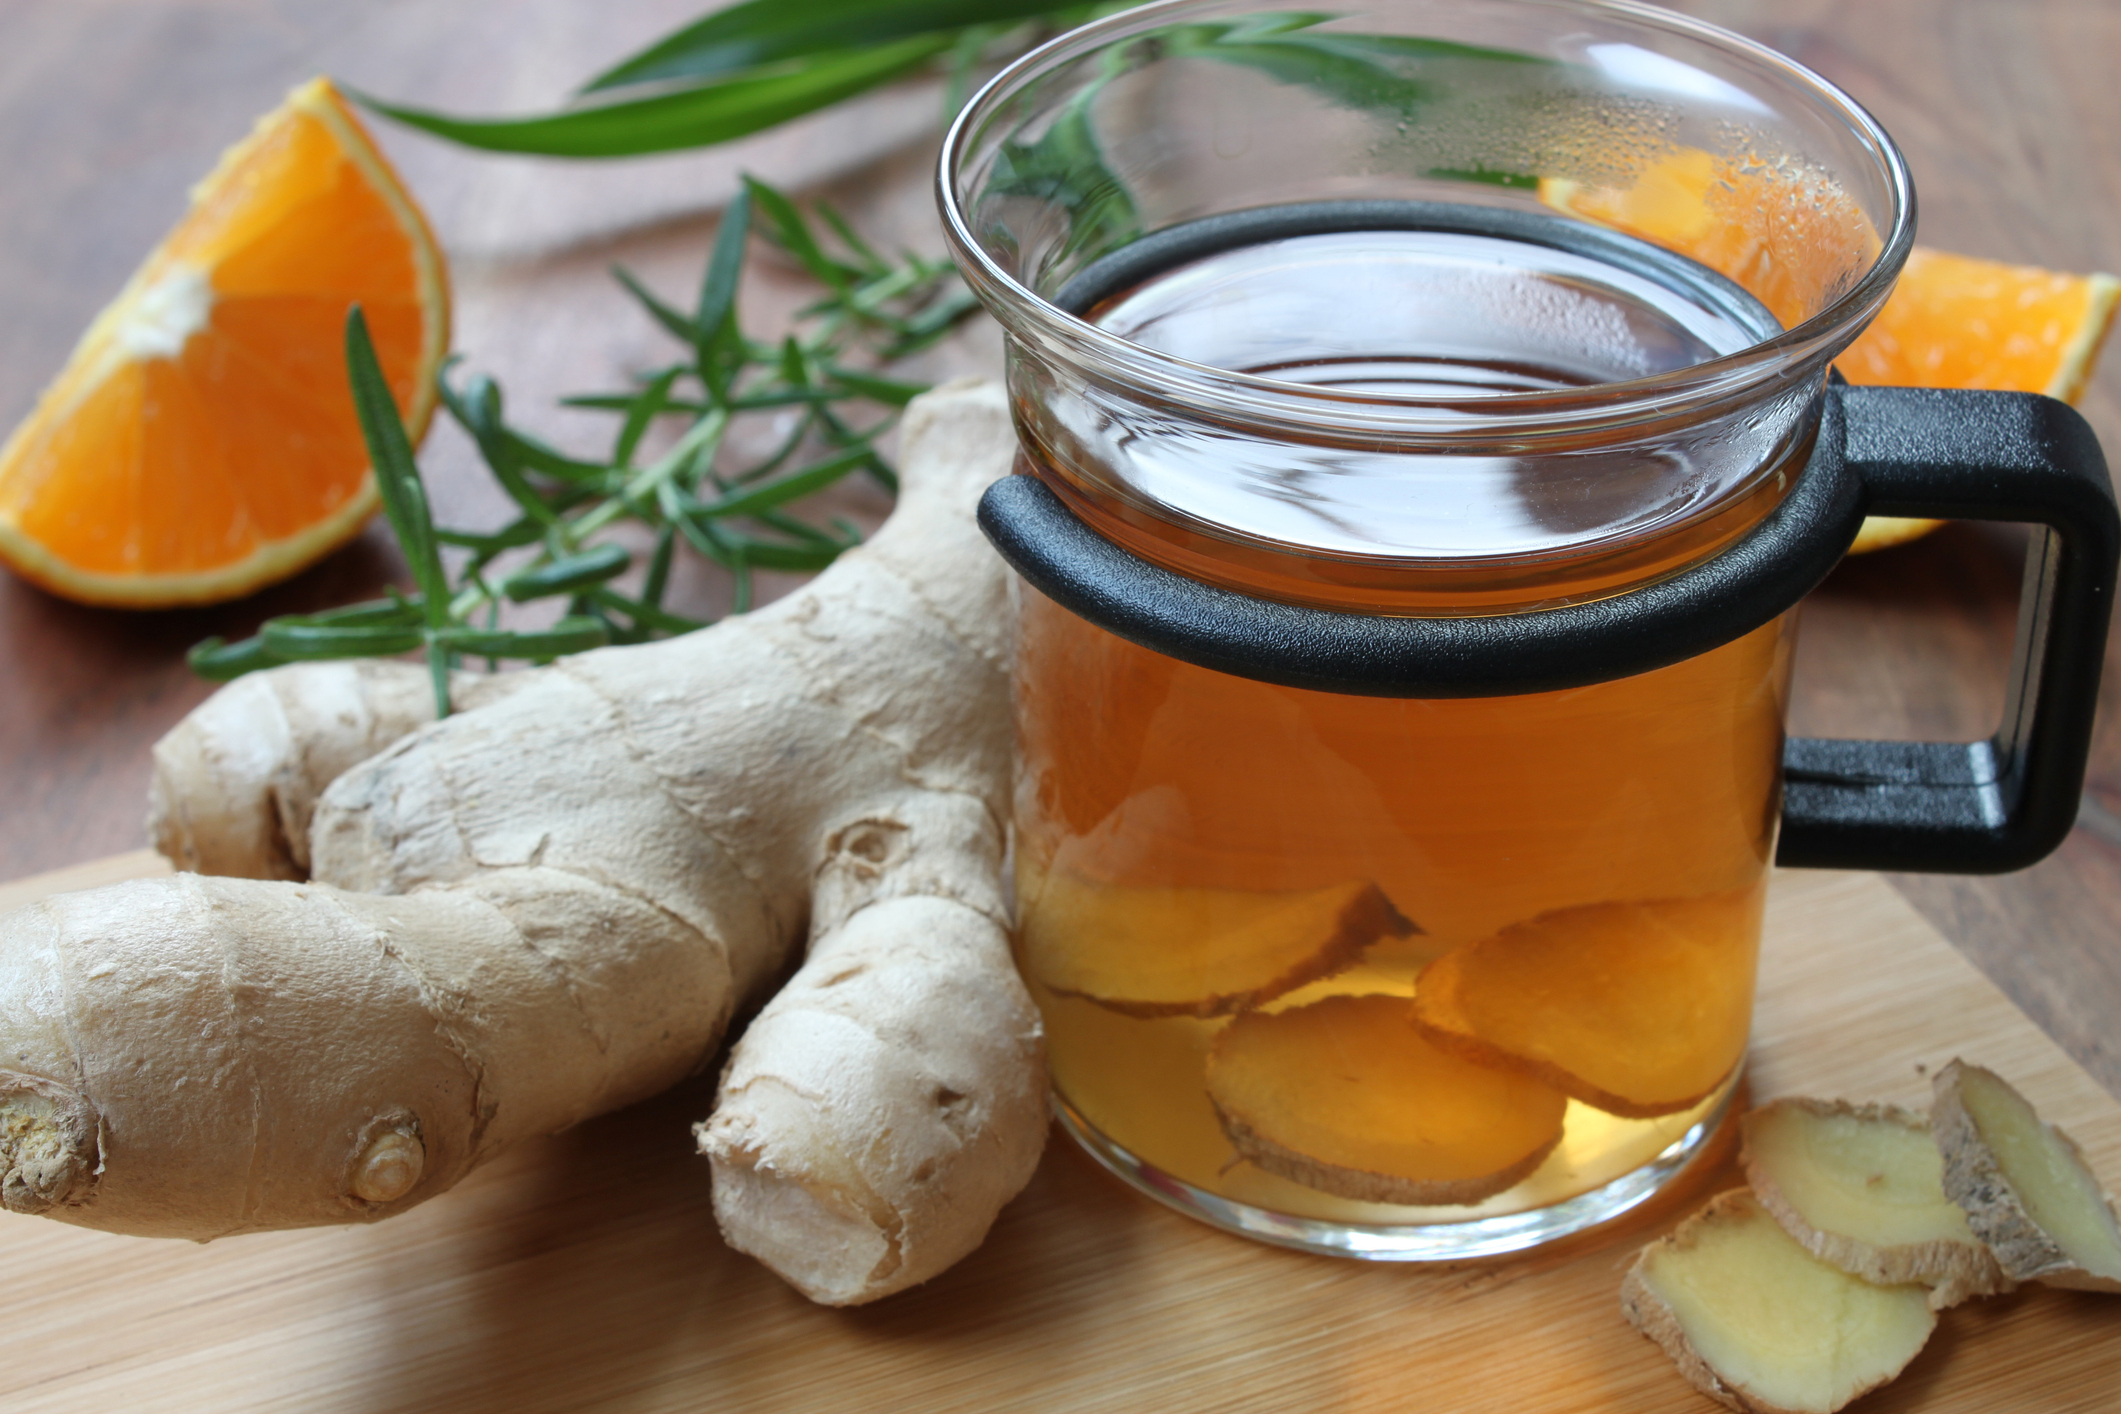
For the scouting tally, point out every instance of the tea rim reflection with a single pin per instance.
(1512, 420)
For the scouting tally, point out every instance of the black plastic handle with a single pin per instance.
(1981, 807)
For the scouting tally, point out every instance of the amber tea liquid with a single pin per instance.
(1371, 961)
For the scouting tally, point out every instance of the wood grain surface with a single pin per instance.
(583, 1273)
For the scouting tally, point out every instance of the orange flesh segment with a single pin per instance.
(201, 441)
(1957, 322)
(1640, 1009)
(1345, 1096)
(1152, 952)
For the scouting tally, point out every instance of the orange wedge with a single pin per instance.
(201, 443)
(1951, 322)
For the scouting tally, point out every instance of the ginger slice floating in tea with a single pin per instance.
(1152, 952)
(1757, 1323)
(1344, 1096)
(1640, 1009)
(1862, 1187)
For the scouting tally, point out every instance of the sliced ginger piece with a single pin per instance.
(1344, 1096)
(1640, 1009)
(2026, 1188)
(1862, 1187)
(1758, 1323)
(1153, 952)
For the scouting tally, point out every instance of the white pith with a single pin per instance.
(166, 314)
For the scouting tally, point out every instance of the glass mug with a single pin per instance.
(1427, 434)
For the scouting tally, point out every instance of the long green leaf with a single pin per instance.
(405, 504)
(400, 612)
(575, 572)
(767, 31)
(696, 116)
(218, 660)
(296, 643)
(724, 266)
(645, 614)
(478, 411)
(572, 634)
(678, 325)
(397, 476)
(796, 559)
(641, 410)
(792, 487)
(793, 234)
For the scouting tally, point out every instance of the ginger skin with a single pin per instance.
(551, 905)
(236, 781)
(2027, 1189)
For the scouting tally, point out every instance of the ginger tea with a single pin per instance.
(1386, 962)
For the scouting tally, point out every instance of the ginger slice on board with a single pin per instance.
(1758, 1323)
(1640, 1009)
(2026, 1188)
(1344, 1096)
(1153, 952)
(1862, 1187)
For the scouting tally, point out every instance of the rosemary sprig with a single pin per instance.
(736, 513)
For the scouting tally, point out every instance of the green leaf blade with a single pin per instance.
(698, 115)
(397, 474)
(568, 574)
(761, 32)
(306, 643)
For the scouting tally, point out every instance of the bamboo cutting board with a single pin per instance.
(583, 1273)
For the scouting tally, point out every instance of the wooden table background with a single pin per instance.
(110, 108)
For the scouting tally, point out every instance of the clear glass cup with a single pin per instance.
(1401, 757)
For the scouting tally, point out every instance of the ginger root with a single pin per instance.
(1862, 1187)
(1758, 1323)
(235, 782)
(552, 904)
(1344, 1096)
(2026, 1188)
(1153, 952)
(1640, 1009)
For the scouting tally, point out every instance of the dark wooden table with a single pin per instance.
(109, 108)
